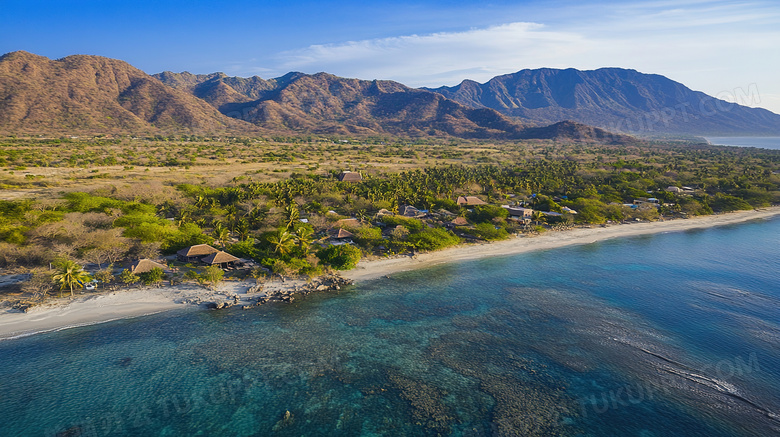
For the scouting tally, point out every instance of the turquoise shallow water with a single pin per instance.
(666, 335)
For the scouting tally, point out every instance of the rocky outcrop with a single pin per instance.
(257, 295)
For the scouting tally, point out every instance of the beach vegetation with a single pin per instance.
(68, 274)
(212, 275)
(245, 249)
(282, 241)
(369, 237)
(152, 277)
(412, 224)
(105, 275)
(128, 278)
(487, 231)
(341, 257)
(487, 213)
(40, 284)
(721, 202)
(433, 239)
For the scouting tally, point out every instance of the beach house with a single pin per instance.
(220, 258)
(470, 201)
(146, 265)
(195, 253)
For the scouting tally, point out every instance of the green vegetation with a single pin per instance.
(488, 232)
(69, 274)
(152, 277)
(342, 257)
(279, 202)
(128, 278)
(212, 275)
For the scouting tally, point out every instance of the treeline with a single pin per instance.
(287, 225)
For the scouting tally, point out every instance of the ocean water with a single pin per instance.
(674, 334)
(761, 142)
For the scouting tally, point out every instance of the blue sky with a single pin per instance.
(729, 49)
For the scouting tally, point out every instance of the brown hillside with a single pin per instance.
(92, 94)
(327, 104)
(95, 94)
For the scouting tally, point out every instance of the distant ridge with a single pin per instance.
(615, 99)
(326, 104)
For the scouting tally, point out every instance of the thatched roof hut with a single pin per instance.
(346, 222)
(343, 233)
(146, 265)
(459, 221)
(195, 253)
(470, 200)
(350, 176)
(220, 257)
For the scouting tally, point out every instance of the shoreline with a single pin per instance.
(373, 269)
(94, 309)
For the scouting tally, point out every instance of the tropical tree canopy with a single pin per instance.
(69, 274)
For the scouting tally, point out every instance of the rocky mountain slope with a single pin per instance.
(96, 94)
(93, 94)
(327, 104)
(615, 99)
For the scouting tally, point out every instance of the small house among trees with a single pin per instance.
(220, 258)
(520, 213)
(459, 221)
(350, 176)
(146, 265)
(343, 234)
(469, 201)
(195, 253)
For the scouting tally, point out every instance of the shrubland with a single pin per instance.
(278, 201)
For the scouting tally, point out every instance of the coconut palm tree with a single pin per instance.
(304, 236)
(242, 229)
(291, 214)
(221, 234)
(282, 242)
(69, 274)
(539, 217)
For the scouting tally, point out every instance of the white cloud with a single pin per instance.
(708, 45)
(420, 60)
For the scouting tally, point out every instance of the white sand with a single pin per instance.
(84, 311)
(64, 313)
(91, 309)
(372, 269)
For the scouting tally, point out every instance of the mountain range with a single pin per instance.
(327, 104)
(94, 94)
(615, 99)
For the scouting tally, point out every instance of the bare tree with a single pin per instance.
(146, 250)
(40, 284)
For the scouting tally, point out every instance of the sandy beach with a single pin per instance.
(373, 269)
(98, 308)
(85, 310)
